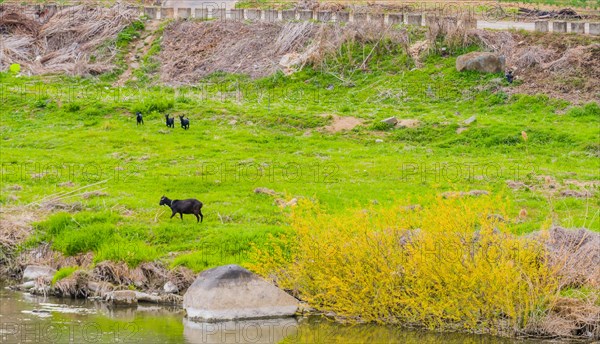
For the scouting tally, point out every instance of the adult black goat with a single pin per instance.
(186, 206)
(170, 121)
(185, 123)
(139, 118)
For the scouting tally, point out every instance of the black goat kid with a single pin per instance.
(139, 118)
(186, 206)
(170, 121)
(185, 123)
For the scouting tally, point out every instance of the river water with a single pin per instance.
(34, 319)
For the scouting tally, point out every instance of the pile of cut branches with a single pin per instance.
(76, 40)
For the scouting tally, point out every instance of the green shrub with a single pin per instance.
(588, 110)
(55, 224)
(14, 68)
(72, 107)
(381, 126)
(129, 33)
(64, 273)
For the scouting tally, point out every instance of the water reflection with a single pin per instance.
(32, 319)
(250, 331)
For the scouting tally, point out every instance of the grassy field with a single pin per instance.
(72, 140)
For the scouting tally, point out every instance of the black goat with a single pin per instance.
(170, 121)
(186, 206)
(139, 118)
(185, 123)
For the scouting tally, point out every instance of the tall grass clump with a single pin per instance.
(133, 253)
(451, 265)
(63, 273)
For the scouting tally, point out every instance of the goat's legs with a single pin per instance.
(172, 215)
(197, 218)
(181, 215)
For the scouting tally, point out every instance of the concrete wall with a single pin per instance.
(186, 9)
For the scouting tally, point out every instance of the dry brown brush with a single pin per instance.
(77, 40)
(192, 50)
(556, 65)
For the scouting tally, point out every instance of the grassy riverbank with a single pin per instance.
(468, 156)
(55, 143)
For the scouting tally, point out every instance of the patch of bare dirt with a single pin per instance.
(339, 123)
(548, 185)
(408, 123)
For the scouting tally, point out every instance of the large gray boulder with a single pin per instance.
(231, 292)
(122, 297)
(481, 62)
(33, 272)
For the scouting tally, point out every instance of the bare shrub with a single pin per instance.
(574, 254)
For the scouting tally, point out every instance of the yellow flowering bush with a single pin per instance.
(447, 265)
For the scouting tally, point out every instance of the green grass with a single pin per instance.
(271, 137)
(122, 43)
(63, 273)
(593, 4)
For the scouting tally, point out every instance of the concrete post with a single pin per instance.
(342, 17)
(559, 26)
(594, 29)
(541, 26)
(151, 12)
(305, 15)
(376, 18)
(271, 15)
(395, 18)
(359, 17)
(578, 27)
(324, 16)
(253, 15)
(236, 14)
(414, 19)
(201, 13)
(218, 13)
(167, 13)
(288, 15)
(184, 13)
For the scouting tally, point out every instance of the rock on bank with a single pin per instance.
(231, 292)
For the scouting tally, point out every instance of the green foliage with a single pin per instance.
(130, 33)
(131, 252)
(14, 68)
(381, 126)
(589, 110)
(78, 233)
(593, 4)
(72, 107)
(64, 272)
(271, 135)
